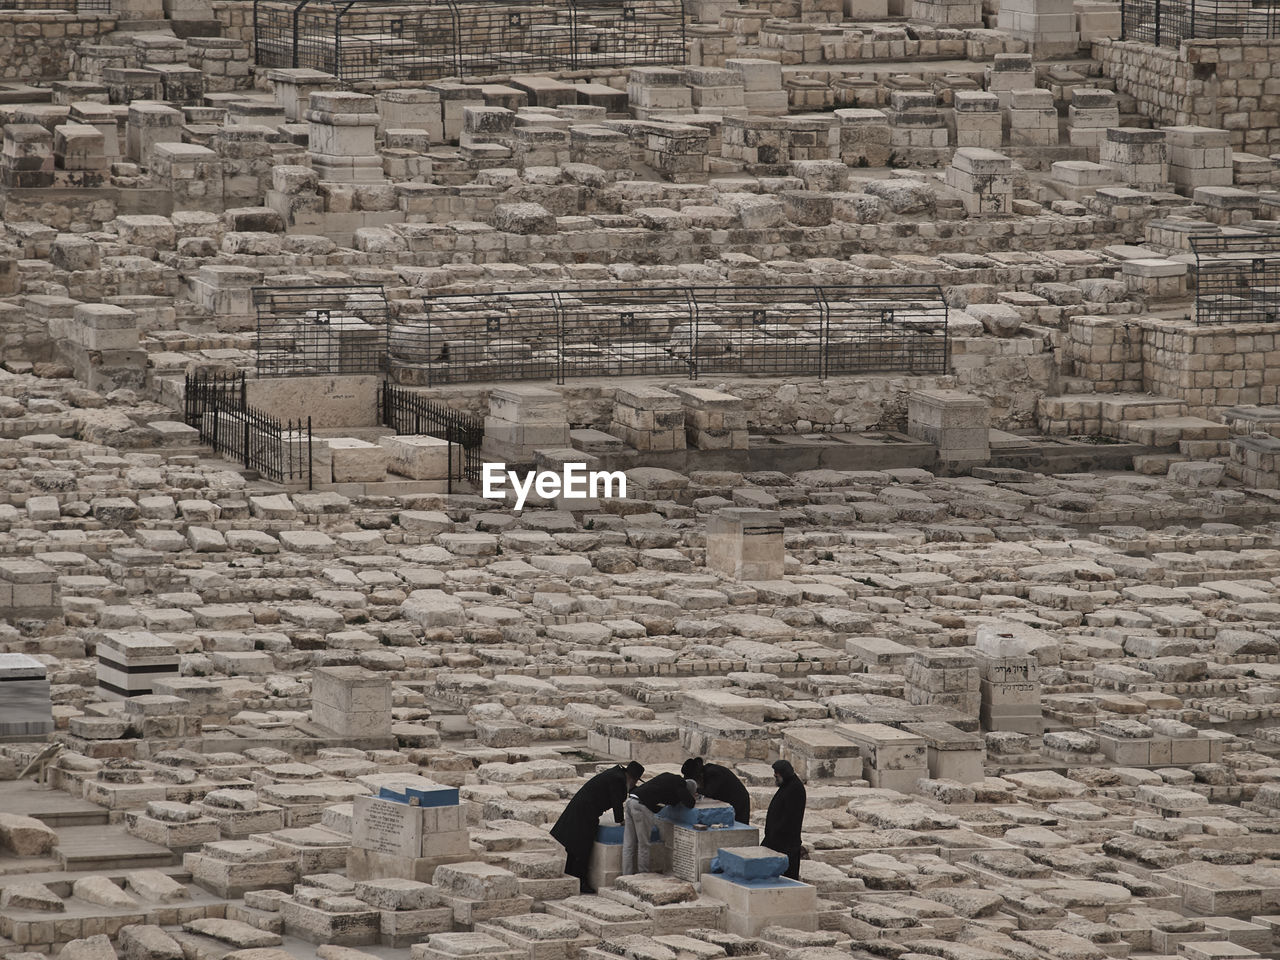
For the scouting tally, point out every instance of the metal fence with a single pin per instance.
(681, 331)
(407, 412)
(278, 450)
(321, 330)
(431, 39)
(62, 6)
(1169, 22)
(1237, 278)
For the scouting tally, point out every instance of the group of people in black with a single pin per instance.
(635, 805)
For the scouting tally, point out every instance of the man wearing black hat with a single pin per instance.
(719, 783)
(576, 828)
(641, 809)
(785, 819)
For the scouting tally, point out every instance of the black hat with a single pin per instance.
(783, 768)
(634, 770)
(692, 768)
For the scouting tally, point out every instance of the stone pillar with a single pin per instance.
(746, 544)
(410, 827)
(648, 419)
(539, 145)
(818, 754)
(522, 420)
(978, 120)
(599, 146)
(864, 137)
(1091, 112)
(149, 124)
(341, 137)
(489, 125)
(947, 677)
(1048, 27)
(716, 90)
(130, 662)
(985, 180)
(1198, 157)
(1137, 156)
(1156, 278)
(351, 701)
(956, 423)
(26, 710)
(762, 92)
(1033, 121)
(1009, 682)
(292, 89)
(676, 150)
(418, 457)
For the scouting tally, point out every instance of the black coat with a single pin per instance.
(664, 790)
(719, 783)
(576, 828)
(785, 819)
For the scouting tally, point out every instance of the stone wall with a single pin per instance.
(1230, 84)
(37, 45)
(1210, 366)
(236, 17)
(1010, 374)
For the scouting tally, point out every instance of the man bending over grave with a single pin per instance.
(719, 783)
(576, 828)
(641, 813)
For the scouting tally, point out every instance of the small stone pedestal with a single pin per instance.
(756, 893)
(341, 137)
(417, 457)
(978, 120)
(1048, 27)
(1137, 156)
(28, 590)
(1091, 113)
(956, 423)
(893, 759)
(26, 710)
(648, 419)
(149, 124)
(1009, 683)
(713, 420)
(1198, 157)
(946, 677)
(1033, 119)
(952, 753)
(984, 179)
(523, 420)
(351, 701)
(818, 754)
(953, 14)
(292, 88)
(480, 891)
(230, 868)
(130, 663)
(746, 544)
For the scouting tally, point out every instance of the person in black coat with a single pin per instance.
(576, 828)
(785, 819)
(719, 783)
(664, 790)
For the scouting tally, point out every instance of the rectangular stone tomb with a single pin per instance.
(26, 710)
(130, 663)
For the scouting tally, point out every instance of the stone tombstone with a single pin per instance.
(351, 701)
(746, 544)
(1008, 682)
(26, 710)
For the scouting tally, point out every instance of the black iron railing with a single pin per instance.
(1237, 278)
(61, 6)
(431, 39)
(680, 331)
(1169, 22)
(277, 450)
(321, 330)
(407, 412)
